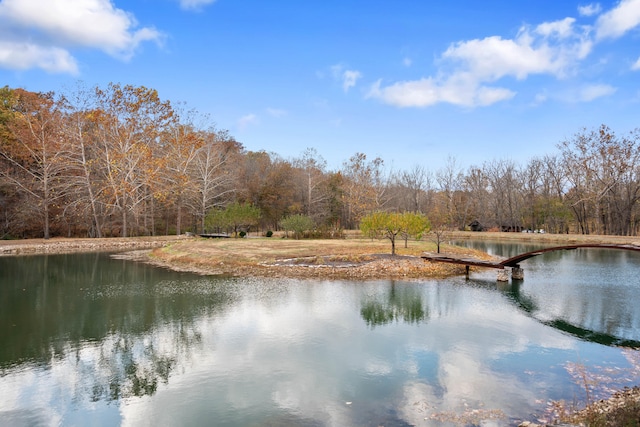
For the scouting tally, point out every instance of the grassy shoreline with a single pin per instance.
(354, 257)
(80, 244)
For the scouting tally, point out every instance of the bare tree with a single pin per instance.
(312, 169)
(129, 122)
(605, 181)
(450, 181)
(477, 186)
(213, 175)
(182, 147)
(416, 182)
(83, 175)
(32, 155)
(504, 180)
(365, 187)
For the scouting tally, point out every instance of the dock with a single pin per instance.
(514, 262)
(462, 261)
(503, 273)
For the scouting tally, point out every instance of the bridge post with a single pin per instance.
(503, 275)
(517, 273)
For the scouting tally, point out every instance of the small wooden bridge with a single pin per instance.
(514, 262)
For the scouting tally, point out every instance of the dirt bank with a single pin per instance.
(60, 245)
(331, 259)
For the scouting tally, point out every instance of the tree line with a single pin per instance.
(121, 161)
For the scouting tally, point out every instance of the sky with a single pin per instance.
(412, 82)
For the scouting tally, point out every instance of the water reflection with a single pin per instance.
(126, 344)
(591, 293)
(529, 305)
(101, 316)
(404, 304)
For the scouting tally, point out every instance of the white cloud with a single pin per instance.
(426, 92)
(247, 120)
(589, 9)
(23, 56)
(471, 67)
(591, 92)
(347, 77)
(276, 112)
(195, 4)
(551, 48)
(616, 22)
(55, 26)
(406, 61)
(636, 65)
(561, 29)
(540, 98)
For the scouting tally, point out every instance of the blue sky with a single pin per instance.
(413, 82)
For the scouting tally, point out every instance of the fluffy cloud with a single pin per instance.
(471, 67)
(616, 22)
(23, 56)
(475, 72)
(530, 52)
(55, 26)
(427, 92)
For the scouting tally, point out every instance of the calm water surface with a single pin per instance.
(92, 340)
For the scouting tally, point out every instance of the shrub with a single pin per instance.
(299, 224)
(242, 233)
(269, 233)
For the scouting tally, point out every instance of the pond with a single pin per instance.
(89, 339)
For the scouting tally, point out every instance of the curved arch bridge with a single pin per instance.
(514, 262)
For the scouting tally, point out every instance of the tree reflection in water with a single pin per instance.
(529, 306)
(121, 327)
(401, 303)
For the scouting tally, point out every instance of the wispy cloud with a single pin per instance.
(583, 93)
(636, 65)
(41, 34)
(540, 98)
(276, 112)
(195, 4)
(247, 120)
(348, 78)
(591, 92)
(589, 9)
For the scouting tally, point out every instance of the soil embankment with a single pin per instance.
(61, 245)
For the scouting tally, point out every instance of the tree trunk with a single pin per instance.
(46, 221)
(124, 222)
